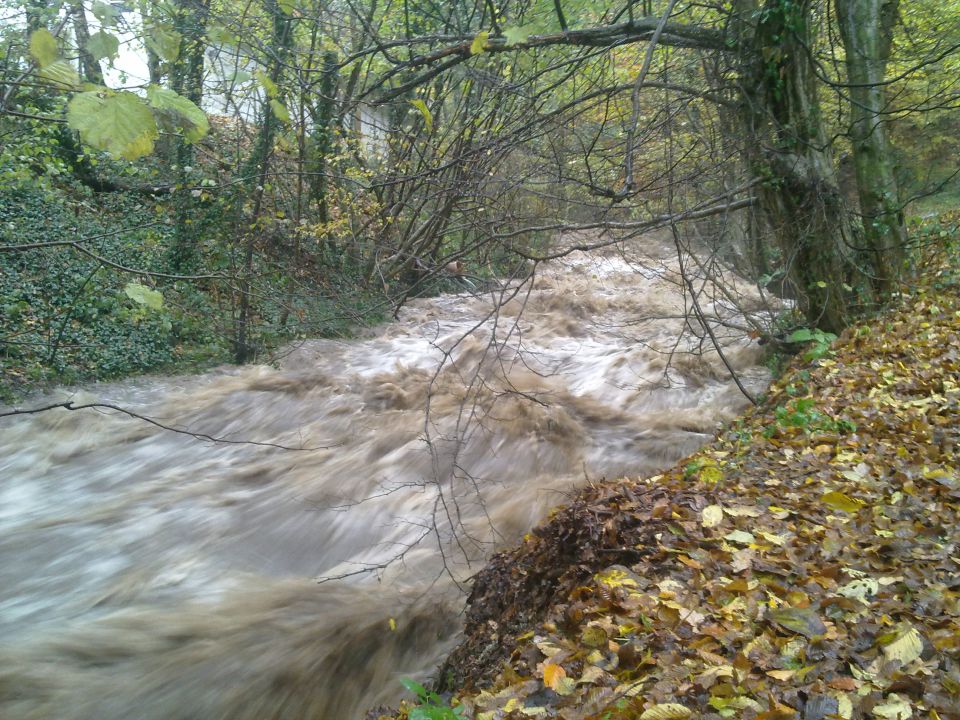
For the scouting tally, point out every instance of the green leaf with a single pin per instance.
(479, 42)
(142, 295)
(268, 85)
(425, 111)
(176, 113)
(61, 73)
(106, 13)
(219, 35)
(280, 111)
(287, 6)
(414, 687)
(43, 47)
(801, 335)
(803, 621)
(103, 46)
(516, 35)
(164, 40)
(120, 124)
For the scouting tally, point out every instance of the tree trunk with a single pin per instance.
(90, 69)
(323, 138)
(187, 79)
(788, 151)
(257, 168)
(866, 28)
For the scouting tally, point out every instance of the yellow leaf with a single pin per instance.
(711, 675)
(617, 576)
(552, 675)
(711, 474)
(594, 675)
(565, 686)
(740, 536)
(425, 111)
(906, 648)
(479, 43)
(534, 711)
(547, 648)
(712, 515)
(859, 589)
(743, 511)
(393, 624)
(772, 538)
(593, 636)
(895, 708)
(666, 711)
(844, 705)
(840, 501)
(782, 675)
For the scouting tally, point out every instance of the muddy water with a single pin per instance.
(146, 574)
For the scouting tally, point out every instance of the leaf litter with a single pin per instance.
(803, 570)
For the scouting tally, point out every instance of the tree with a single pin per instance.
(866, 27)
(768, 52)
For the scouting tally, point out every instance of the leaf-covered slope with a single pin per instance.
(805, 565)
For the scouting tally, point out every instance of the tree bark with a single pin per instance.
(866, 28)
(787, 148)
(187, 79)
(90, 69)
(258, 167)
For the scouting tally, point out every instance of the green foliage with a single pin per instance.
(125, 126)
(43, 47)
(165, 41)
(103, 46)
(432, 706)
(802, 414)
(819, 342)
(118, 123)
(516, 35)
(176, 113)
(142, 295)
(479, 43)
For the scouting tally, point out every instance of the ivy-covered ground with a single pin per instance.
(111, 305)
(805, 565)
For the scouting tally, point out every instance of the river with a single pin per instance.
(151, 575)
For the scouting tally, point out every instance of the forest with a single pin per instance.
(188, 183)
(312, 310)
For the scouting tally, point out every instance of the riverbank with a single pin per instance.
(806, 564)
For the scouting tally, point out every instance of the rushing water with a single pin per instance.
(149, 575)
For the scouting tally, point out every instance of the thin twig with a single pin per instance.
(69, 405)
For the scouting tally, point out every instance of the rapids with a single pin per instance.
(149, 575)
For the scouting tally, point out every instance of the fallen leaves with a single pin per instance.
(809, 572)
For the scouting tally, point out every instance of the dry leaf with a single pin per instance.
(666, 711)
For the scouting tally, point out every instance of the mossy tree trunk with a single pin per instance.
(787, 149)
(866, 28)
(186, 78)
(258, 169)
